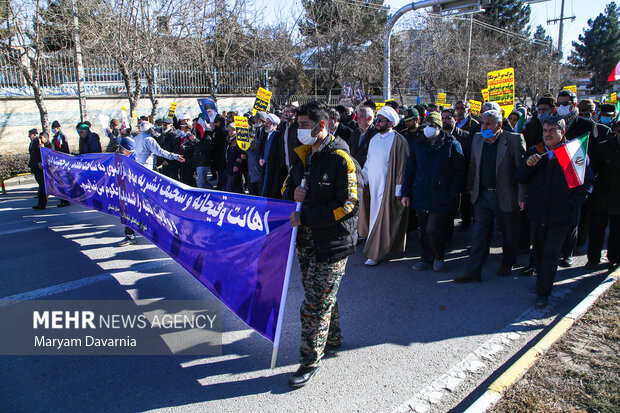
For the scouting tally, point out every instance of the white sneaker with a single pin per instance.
(370, 261)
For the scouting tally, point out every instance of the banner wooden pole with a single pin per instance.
(289, 265)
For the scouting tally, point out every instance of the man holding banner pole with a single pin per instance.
(326, 180)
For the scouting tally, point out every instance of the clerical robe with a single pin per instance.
(383, 219)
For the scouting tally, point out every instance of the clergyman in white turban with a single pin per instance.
(383, 219)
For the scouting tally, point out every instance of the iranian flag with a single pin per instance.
(572, 159)
(201, 126)
(615, 75)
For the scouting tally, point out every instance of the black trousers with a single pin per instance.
(583, 229)
(486, 209)
(434, 233)
(466, 208)
(570, 242)
(548, 241)
(524, 231)
(598, 223)
(42, 195)
(254, 188)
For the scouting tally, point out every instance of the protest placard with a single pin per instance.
(571, 87)
(261, 104)
(475, 107)
(485, 94)
(173, 108)
(243, 132)
(441, 99)
(501, 85)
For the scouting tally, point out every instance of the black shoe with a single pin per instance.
(527, 271)
(332, 347)
(38, 207)
(590, 265)
(467, 278)
(566, 262)
(302, 376)
(63, 204)
(504, 270)
(541, 301)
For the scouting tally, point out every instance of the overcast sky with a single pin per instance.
(583, 10)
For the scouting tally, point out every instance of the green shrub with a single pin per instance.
(13, 165)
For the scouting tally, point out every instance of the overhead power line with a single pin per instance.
(493, 28)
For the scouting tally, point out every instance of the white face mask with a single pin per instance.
(431, 132)
(305, 136)
(564, 110)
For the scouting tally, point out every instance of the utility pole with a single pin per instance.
(471, 21)
(561, 20)
(79, 65)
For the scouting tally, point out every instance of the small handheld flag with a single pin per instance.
(572, 159)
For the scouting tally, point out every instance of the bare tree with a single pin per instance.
(22, 46)
(336, 32)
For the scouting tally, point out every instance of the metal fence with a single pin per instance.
(103, 77)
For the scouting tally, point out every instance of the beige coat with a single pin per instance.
(390, 229)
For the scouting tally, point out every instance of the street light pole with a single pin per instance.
(387, 93)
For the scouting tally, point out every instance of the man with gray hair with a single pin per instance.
(487, 106)
(553, 207)
(360, 137)
(464, 121)
(495, 156)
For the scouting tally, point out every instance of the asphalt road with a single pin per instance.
(411, 340)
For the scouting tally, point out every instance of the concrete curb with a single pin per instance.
(19, 180)
(496, 390)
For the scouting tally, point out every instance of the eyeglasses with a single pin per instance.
(563, 103)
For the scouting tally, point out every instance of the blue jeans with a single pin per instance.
(202, 172)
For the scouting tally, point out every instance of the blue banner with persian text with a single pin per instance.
(235, 245)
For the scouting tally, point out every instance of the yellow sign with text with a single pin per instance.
(243, 132)
(173, 108)
(614, 97)
(261, 104)
(571, 87)
(378, 106)
(441, 99)
(501, 85)
(476, 106)
(485, 94)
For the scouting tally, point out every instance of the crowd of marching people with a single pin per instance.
(381, 174)
(422, 166)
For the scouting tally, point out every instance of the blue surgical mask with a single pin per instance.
(606, 120)
(487, 134)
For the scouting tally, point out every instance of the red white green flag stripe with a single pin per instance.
(572, 159)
